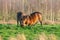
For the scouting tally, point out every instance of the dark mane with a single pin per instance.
(36, 12)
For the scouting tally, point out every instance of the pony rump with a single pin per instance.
(19, 16)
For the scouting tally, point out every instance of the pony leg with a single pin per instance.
(40, 19)
(17, 22)
(41, 23)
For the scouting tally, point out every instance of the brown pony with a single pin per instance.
(31, 19)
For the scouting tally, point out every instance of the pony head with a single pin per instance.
(23, 21)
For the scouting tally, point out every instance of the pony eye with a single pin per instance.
(25, 22)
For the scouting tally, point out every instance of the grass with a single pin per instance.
(31, 32)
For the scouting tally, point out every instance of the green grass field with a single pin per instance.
(31, 32)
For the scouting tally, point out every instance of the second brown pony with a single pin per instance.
(31, 19)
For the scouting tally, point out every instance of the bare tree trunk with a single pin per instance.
(46, 10)
(51, 10)
(22, 6)
(5, 11)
